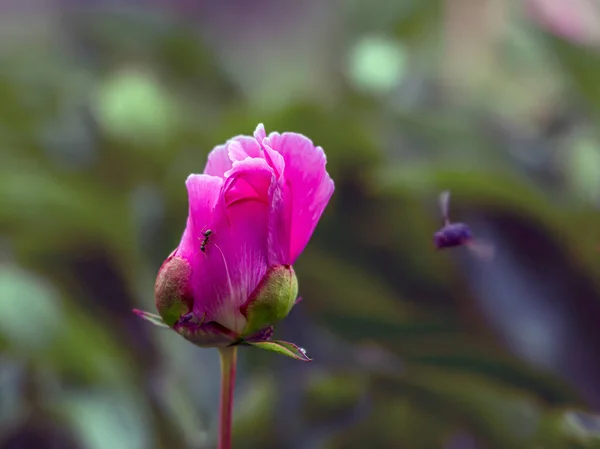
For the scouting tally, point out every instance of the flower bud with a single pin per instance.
(172, 290)
(251, 214)
(272, 299)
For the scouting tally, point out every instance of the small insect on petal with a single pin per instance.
(206, 234)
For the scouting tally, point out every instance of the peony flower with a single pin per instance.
(251, 214)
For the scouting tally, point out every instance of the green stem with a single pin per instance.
(228, 363)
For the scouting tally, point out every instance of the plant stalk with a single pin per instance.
(228, 366)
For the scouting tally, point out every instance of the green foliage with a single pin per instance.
(103, 116)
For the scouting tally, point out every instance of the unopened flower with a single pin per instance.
(251, 214)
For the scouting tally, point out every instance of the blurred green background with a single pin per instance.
(107, 106)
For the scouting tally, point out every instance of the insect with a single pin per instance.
(206, 235)
(458, 234)
(188, 319)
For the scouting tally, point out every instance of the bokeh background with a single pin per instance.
(107, 106)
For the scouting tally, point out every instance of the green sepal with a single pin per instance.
(172, 292)
(151, 317)
(272, 300)
(282, 347)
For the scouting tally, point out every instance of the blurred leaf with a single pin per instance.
(395, 423)
(439, 344)
(419, 19)
(256, 410)
(89, 350)
(581, 65)
(502, 417)
(583, 169)
(567, 429)
(330, 394)
(185, 419)
(108, 418)
(68, 207)
(443, 128)
(482, 358)
(132, 105)
(386, 330)
(377, 65)
(30, 310)
(348, 288)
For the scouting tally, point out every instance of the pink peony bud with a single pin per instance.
(251, 214)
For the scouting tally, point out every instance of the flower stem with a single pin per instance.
(228, 364)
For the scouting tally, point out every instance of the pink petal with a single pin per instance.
(237, 149)
(248, 180)
(306, 191)
(236, 255)
(242, 147)
(274, 159)
(260, 133)
(218, 161)
(280, 220)
(203, 194)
